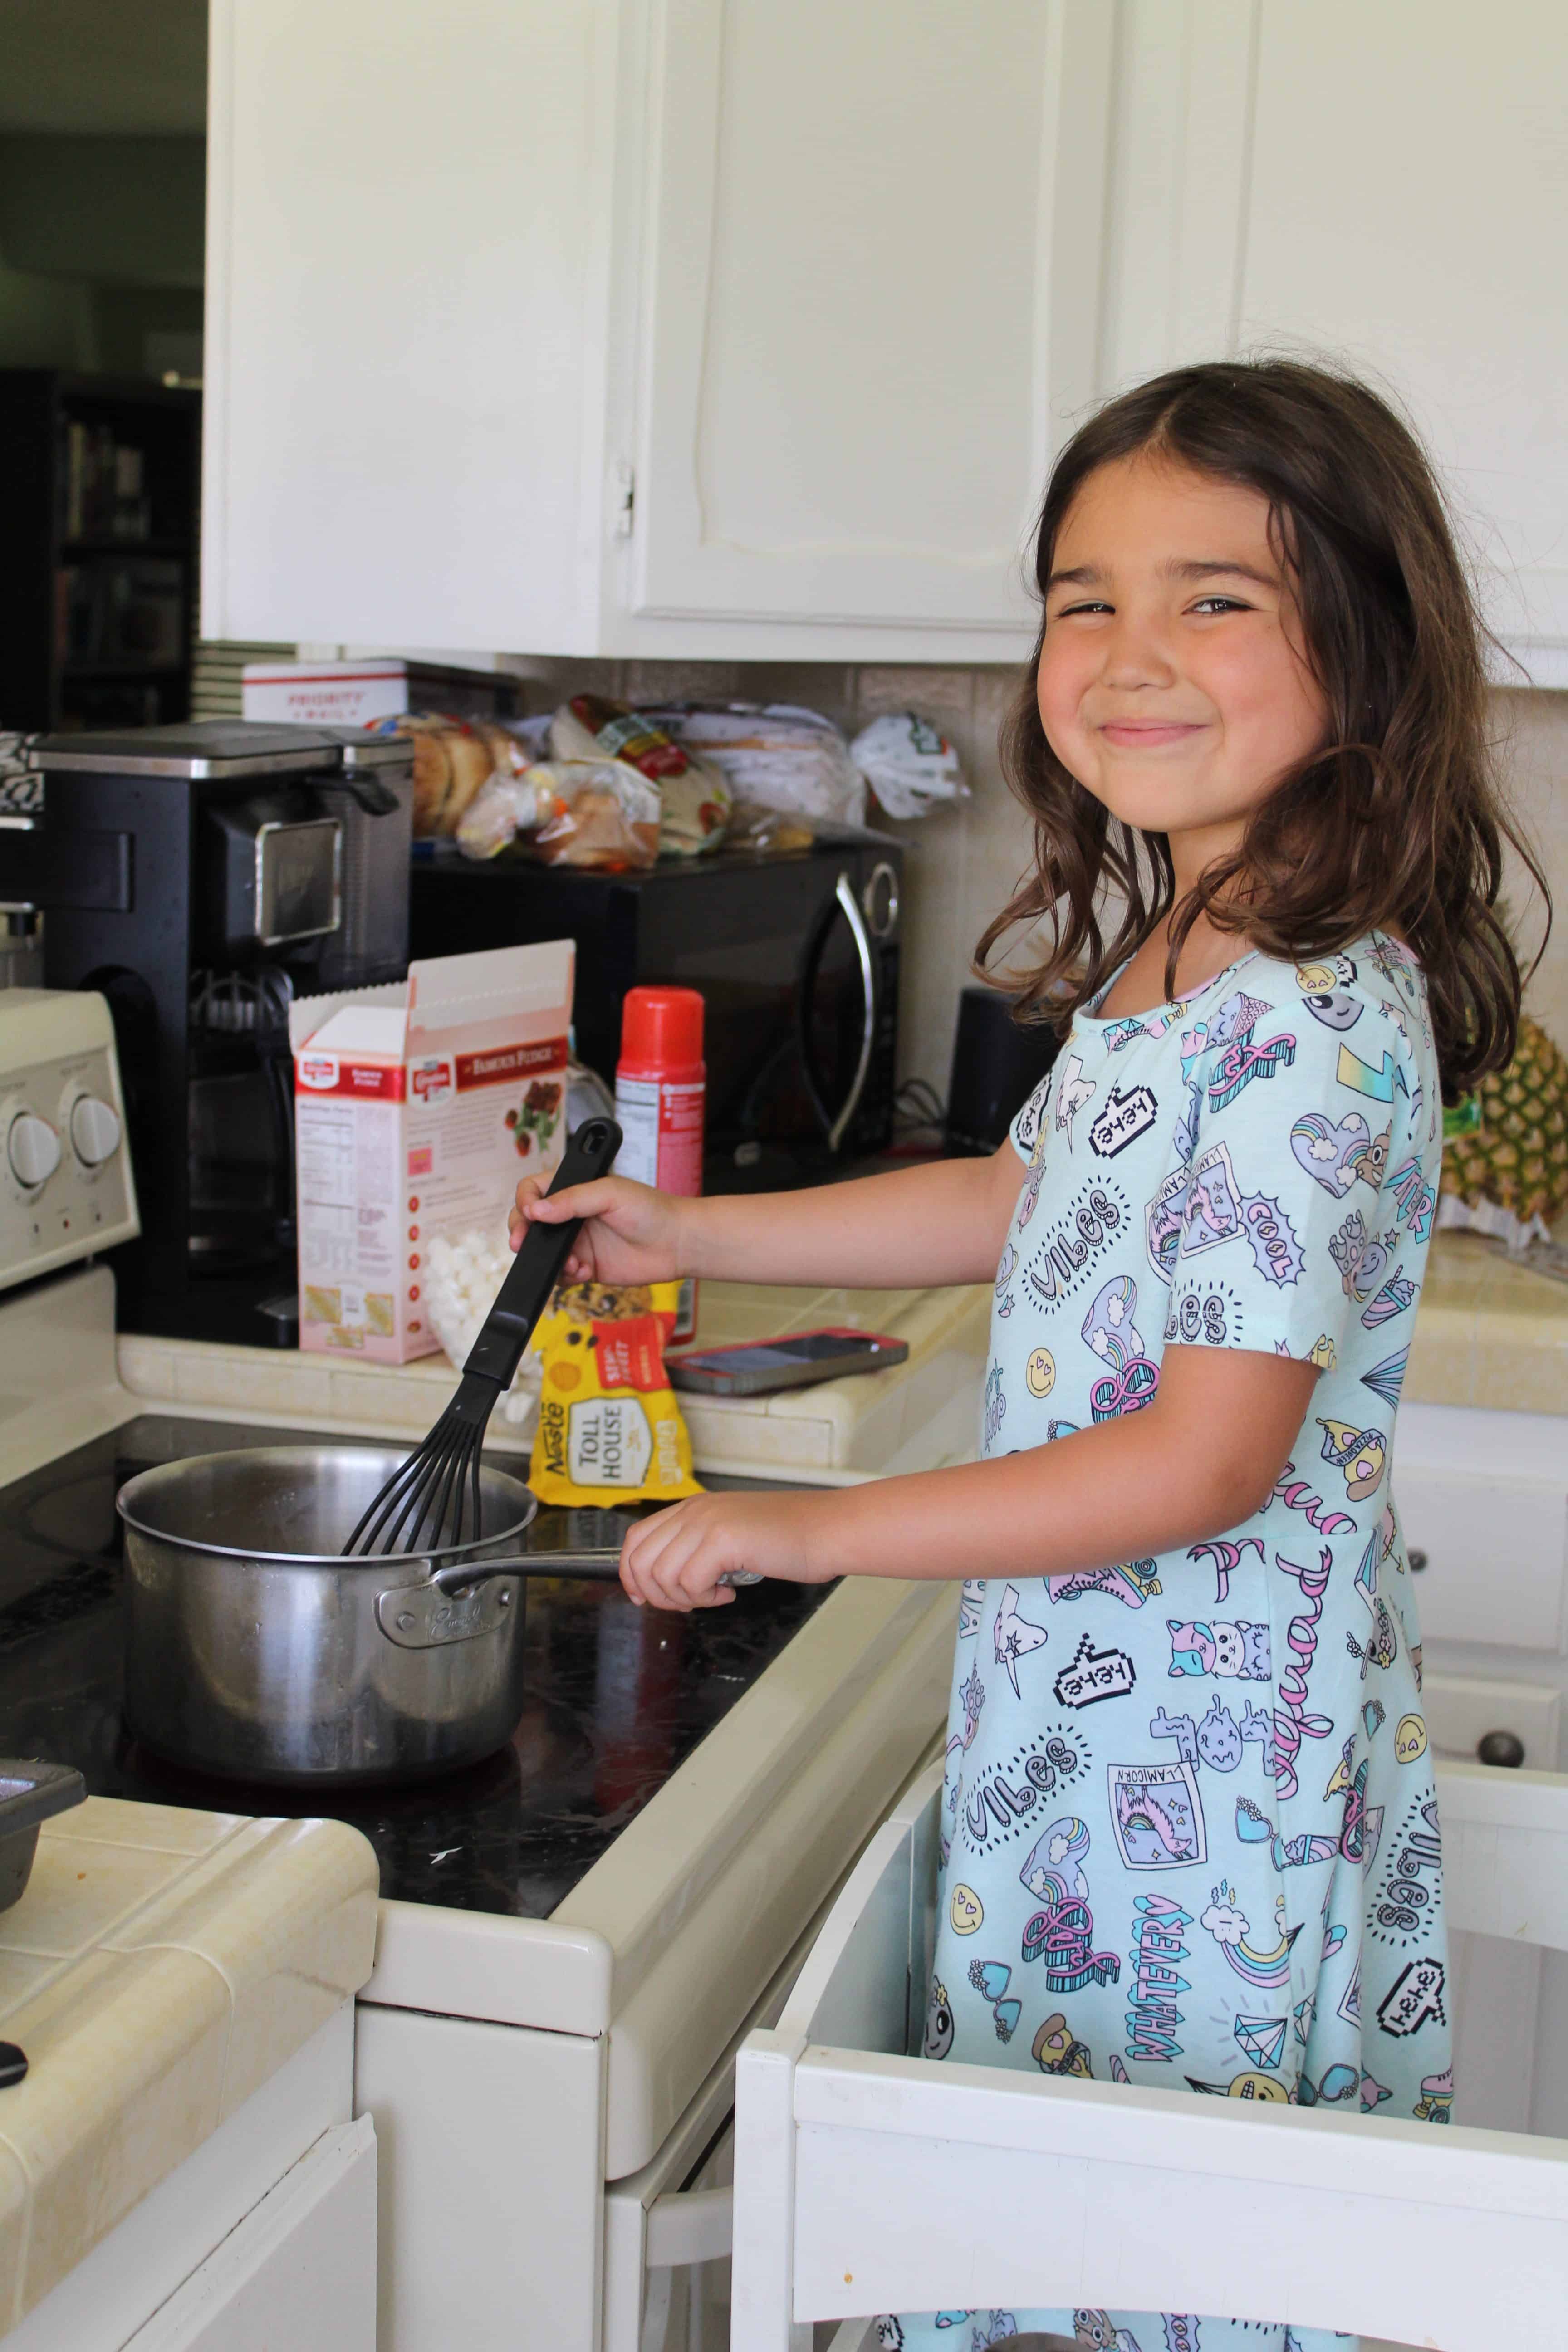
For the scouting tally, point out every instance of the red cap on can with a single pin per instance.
(661, 1029)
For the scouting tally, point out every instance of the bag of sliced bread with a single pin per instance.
(694, 799)
(610, 1432)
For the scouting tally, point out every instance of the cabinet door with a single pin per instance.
(407, 224)
(869, 302)
(1409, 199)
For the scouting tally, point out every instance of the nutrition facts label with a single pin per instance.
(348, 1189)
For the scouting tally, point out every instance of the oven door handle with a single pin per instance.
(837, 1125)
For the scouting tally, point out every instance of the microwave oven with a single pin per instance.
(797, 956)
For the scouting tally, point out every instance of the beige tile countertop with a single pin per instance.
(1488, 1331)
(161, 1966)
(918, 1415)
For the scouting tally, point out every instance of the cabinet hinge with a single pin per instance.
(626, 499)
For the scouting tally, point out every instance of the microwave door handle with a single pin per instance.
(836, 1124)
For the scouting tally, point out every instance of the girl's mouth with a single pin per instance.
(1148, 734)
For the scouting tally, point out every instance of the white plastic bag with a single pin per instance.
(908, 763)
(777, 756)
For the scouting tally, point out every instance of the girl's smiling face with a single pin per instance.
(1172, 681)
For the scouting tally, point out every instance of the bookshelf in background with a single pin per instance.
(100, 495)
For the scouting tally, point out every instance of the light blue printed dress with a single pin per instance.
(1190, 1835)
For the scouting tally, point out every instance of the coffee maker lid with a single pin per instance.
(206, 747)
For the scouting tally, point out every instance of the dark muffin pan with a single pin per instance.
(30, 1792)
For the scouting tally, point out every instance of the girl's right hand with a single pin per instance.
(630, 1233)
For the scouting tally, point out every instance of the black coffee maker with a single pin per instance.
(200, 877)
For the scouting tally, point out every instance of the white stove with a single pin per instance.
(548, 2060)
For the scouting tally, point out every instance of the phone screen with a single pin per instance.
(812, 1347)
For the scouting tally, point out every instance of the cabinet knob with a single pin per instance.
(1417, 1561)
(1504, 1748)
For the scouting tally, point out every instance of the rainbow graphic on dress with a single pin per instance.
(1268, 1970)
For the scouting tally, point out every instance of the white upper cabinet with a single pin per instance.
(1387, 185)
(659, 327)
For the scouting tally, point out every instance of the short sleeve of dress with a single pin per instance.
(1281, 1209)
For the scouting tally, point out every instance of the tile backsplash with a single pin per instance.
(962, 865)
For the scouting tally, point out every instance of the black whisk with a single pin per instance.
(433, 1502)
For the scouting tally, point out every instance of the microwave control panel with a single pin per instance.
(66, 1185)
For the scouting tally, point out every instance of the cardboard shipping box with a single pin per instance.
(417, 1107)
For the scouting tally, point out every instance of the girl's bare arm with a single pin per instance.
(1192, 1465)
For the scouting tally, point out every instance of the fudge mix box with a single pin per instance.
(417, 1106)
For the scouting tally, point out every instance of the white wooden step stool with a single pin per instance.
(868, 2181)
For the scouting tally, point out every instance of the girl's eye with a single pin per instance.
(1067, 611)
(1221, 605)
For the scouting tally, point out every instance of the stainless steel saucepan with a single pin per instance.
(257, 1651)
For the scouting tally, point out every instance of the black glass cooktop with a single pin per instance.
(617, 1696)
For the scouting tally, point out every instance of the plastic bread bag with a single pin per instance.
(776, 755)
(695, 799)
(454, 758)
(908, 763)
(504, 807)
(603, 815)
(610, 1432)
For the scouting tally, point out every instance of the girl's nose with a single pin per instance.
(1135, 655)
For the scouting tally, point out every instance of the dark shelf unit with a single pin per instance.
(96, 627)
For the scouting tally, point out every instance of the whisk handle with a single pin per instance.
(535, 1270)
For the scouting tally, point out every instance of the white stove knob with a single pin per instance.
(95, 1130)
(33, 1149)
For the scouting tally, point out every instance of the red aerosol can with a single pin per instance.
(661, 1086)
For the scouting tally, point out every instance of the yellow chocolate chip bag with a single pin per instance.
(610, 1431)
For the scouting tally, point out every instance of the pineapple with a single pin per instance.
(1510, 1151)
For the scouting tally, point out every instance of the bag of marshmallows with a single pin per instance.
(610, 1432)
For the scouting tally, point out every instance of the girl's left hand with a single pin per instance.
(675, 1559)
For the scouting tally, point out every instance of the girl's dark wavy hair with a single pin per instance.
(1397, 821)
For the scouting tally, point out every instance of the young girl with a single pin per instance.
(1191, 1837)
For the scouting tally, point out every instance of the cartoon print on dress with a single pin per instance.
(1060, 1261)
(1073, 1093)
(1292, 1723)
(1240, 1060)
(1219, 1647)
(1040, 1372)
(1029, 1124)
(1157, 1815)
(1335, 1155)
(938, 2037)
(1154, 1981)
(1164, 1220)
(1014, 1636)
(1362, 1260)
(1061, 1934)
(1261, 2039)
(995, 2328)
(1410, 1895)
(1130, 1580)
(991, 1979)
(970, 1602)
(1055, 2051)
(1109, 1329)
(1409, 1738)
(1383, 1646)
(996, 1402)
(1095, 2329)
(1227, 1558)
(1436, 2101)
(1398, 1293)
(1007, 1267)
(1094, 1674)
(890, 2334)
(1387, 1380)
(965, 1910)
(1253, 1827)
(1122, 1119)
(1414, 2000)
(1029, 1195)
(1416, 1198)
(1245, 2087)
(1215, 1741)
(1337, 971)
(1377, 1085)
(999, 1801)
(1334, 1007)
(1181, 2333)
(1360, 1455)
(1213, 1314)
(1265, 1967)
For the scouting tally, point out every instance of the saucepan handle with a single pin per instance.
(460, 1576)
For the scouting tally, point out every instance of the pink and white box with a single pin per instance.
(417, 1107)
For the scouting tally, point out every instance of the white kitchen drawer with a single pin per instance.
(867, 2179)
(1485, 1496)
(1461, 1709)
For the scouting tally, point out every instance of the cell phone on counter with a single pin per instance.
(758, 1367)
